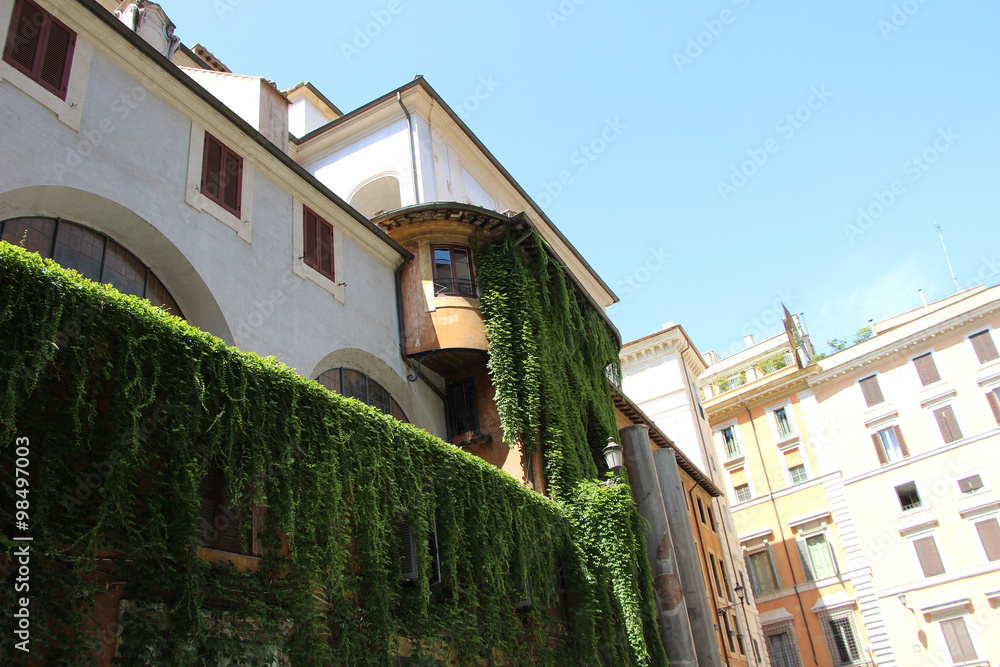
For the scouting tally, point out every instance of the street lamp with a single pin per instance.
(613, 456)
(740, 594)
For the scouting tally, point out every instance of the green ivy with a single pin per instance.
(127, 408)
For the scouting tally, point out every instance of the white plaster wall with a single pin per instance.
(132, 152)
(251, 98)
(303, 118)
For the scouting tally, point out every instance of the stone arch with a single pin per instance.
(145, 241)
(378, 370)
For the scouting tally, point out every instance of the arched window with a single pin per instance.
(354, 384)
(382, 194)
(93, 254)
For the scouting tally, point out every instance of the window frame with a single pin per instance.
(316, 264)
(806, 560)
(913, 507)
(775, 424)
(468, 387)
(844, 618)
(864, 394)
(944, 428)
(916, 554)
(451, 248)
(749, 560)
(929, 355)
(881, 452)
(221, 506)
(720, 440)
(224, 185)
(988, 333)
(977, 650)
(35, 73)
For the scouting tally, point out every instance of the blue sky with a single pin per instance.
(731, 143)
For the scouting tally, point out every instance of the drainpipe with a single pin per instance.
(781, 529)
(413, 150)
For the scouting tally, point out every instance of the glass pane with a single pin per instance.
(32, 234)
(355, 385)
(81, 249)
(378, 397)
(442, 264)
(398, 413)
(891, 445)
(124, 270)
(159, 296)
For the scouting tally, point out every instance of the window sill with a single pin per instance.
(735, 461)
(68, 111)
(242, 562)
(787, 442)
(471, 439)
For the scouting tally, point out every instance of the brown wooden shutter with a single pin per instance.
(948, 424)
(956, 635)
(982, 343)
(232, 182)
(54, 73)
(902, 443)
(310, 254)
(25, 37)
(926, 369)
(989, 533)
(930, 559)
(325, 249)
(871, 390)
(211, 168)
(994, 404)
(879, 449)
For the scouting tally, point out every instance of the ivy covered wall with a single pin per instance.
(134, 407)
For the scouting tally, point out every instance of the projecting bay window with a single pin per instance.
(40, 47)
(453, 271)
(889, 445)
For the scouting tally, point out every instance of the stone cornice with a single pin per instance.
(728, 407)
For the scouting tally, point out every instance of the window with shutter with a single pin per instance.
(889, 445)
(982, 343)
(993, 398)
(40, 46)
(871, 390)
(762, 572)
(463, 412)
(948, 424)
(970, 484)
(956, 636)
(926, 369)
(222, 175)
(930, 558)
(318, 241)
(989, 534)
(409, 568)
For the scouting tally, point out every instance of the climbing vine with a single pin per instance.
(550, 358)
(127, 410)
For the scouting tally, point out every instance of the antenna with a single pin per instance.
(938, 227)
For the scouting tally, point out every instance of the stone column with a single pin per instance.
(688, 559)
(672, 614)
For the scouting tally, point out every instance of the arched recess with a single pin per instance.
(193, 296)
(378, 194)
(378, 370)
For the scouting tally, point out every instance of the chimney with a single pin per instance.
(148, 20)
(748, 340)
(922, 297)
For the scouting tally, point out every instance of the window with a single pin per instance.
(871, 390)
(927, 554)
(409, 567)
(993, 397)
(956, 636)
(762, 571)
(91, 253)
(926, 369)
(989, 535)
(219, 518)
(354, 384)
(742, 493)
(729, 633)
(889, 445)
(317, 236)
(222, 175)
(970, 484)
(715, 574)
(40, 47)
(701, 510)
(948, 424)
(782, 423)
(908, 497)
(817, 558)
(781, 642)
(730, 442)
(463, 412)
(453, 271)
(982, 343)
(798, 473)
(841, 638)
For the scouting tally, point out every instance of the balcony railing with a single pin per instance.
(454, 286)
